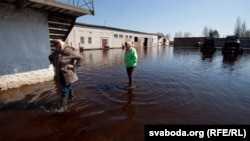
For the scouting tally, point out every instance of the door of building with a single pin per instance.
(105, 43)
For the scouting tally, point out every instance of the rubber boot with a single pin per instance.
(131, 83)
(63, 104)
(72, 95)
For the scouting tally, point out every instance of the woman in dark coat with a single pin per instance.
(64, 60)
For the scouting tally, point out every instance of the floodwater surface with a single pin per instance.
(173, 86)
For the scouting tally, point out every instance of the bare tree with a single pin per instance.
(214, 33)
(178, 34)
(205, 31)
(168, 35)
(238, 28)
(209, 32)
(247, 34)
(187, 34)
(243, 29)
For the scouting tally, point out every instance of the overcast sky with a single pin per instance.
(170, 16)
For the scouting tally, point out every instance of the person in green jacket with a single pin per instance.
(130, 60)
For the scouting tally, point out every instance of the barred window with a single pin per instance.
(89, 40)
(82, 40)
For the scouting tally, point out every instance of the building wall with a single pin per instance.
(24, 44)
(245, 42)
(163, 41)
(80, 34)
(219, 42)
(188, 42)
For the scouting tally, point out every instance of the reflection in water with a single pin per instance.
(207, 55)
(230, 58)
(105, 53)
(130, 108)
(229, 61)
(174, 86)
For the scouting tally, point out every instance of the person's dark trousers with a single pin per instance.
(71, 94)
(66, 90)
(130, 71)
(65, 93)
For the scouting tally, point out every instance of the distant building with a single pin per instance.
(163, 41)
(197, 41)
(102, 37)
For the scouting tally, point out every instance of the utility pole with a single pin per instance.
(105, 23)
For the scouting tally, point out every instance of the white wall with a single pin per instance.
(24, 44)
(97, 34)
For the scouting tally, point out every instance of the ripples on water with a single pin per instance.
(173, 86)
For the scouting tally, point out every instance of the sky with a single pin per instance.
(170, 16)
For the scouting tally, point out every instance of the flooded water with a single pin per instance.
(173, 86)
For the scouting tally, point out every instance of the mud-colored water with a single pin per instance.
(173, 86)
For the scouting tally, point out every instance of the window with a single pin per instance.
(82, 40)
(130, 37)
(136, 39)
(120, 36)
(116, 35)
(89, 40)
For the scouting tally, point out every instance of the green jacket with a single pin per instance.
(131, 57)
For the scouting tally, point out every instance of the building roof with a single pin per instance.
(112, 28)
(51, 6)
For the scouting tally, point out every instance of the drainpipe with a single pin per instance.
(74, 37)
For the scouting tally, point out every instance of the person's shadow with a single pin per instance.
(129, 107)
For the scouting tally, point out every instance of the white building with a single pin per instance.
(99, 37)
